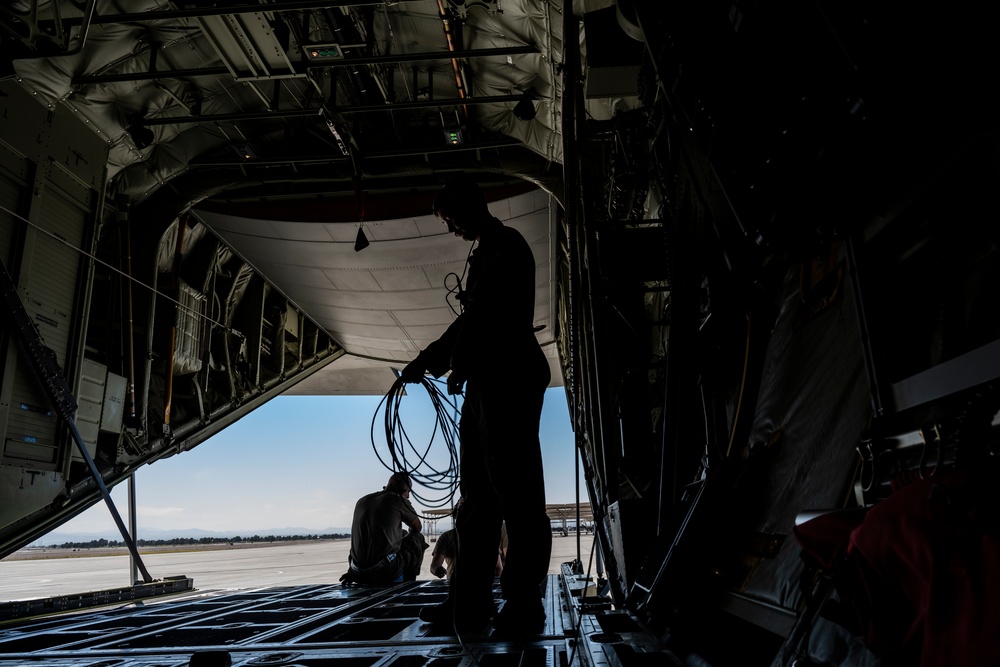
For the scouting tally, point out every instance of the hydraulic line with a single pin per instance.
(126, 240)
(450, 36)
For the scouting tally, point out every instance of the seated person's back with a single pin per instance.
(380, 551)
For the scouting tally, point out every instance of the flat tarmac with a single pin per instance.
(245, 566)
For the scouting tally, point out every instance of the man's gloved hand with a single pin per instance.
(455, 382)
(414, 371)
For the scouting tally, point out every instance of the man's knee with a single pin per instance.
(414, 543)
(411, 551)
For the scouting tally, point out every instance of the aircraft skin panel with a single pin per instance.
(12, 193)
(32, 427)
(300, 232)
(50, 268)
(49, 282)
(26, 488)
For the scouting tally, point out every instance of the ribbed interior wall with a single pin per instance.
(51, 268)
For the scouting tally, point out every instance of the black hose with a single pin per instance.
(402, 454)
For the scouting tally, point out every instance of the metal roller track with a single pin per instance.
(308, 626)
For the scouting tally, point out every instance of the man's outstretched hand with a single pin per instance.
(455, 382)
(414, 371)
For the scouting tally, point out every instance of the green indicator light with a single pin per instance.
(324, 52)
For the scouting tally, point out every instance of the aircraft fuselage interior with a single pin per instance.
(767, 280)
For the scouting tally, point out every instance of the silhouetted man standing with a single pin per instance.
(491, 348)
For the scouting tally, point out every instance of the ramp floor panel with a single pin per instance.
(325, 625)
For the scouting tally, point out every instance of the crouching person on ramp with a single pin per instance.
(381, 552)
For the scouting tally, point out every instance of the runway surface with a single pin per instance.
(281, 565)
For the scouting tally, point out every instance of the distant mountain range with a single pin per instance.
(196, 533)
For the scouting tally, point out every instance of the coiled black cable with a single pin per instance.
(401, 453)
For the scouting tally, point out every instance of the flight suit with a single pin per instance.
(492, 345)
(381, 552)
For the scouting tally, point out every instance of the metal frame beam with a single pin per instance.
(195, 12)
(346, 62)
(325, 159)
(221, 117)
(292, 113)
(428, 104)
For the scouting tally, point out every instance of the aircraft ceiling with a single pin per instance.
(223, 101)
(285, 154)
(386, 302)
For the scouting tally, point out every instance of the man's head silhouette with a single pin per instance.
(462, 206)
